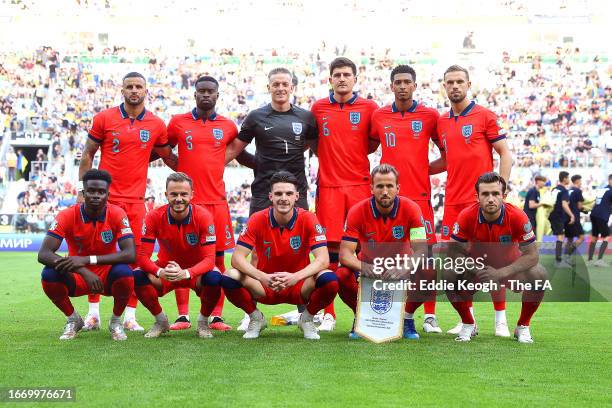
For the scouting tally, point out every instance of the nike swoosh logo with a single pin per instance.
(369, 234)
(268, 128)
(267, 242)
(387, 127)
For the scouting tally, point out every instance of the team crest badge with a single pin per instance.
(398, 232)
(191, 238)
(145, 135)
(445, 230)
(295, 242)
(505, 238)
(381, 301)
(211, 229)
(297, 128)
(466, 131)
(417, 126)
(355, 118)
(107, 236)
(218, 133)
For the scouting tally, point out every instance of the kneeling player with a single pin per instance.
(92, 230)
(501, 234)
(186, 258)
(385, 222)
(283, 237)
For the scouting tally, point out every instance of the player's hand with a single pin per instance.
(572, 220)
(396, 274)
(267, 280)
(487, 274)
(70, 263)
(367, 271)
(94, 283)
(284, 280)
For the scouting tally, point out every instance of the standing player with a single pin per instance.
(574, 230)
(92, 230)
(600, 216)
(202, 137)
(502, 232)
(284, 237)
(560, 216)
(468, 133)
(385, 218)
(186, 258)
(282, 132)
(126, 136)
(343, 144)
(404, 130)
(532, 201)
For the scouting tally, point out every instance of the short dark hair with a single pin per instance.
(457, 68)
(95, 174)
(134, 74)
(403, 69)
(179, 177)
(539, 177)
(384, 168)
(563, 175)
(206, 78)
(488, 178)
(283, 177)
(294, 79)
(342, 62)
(576, 177)
(280, 70)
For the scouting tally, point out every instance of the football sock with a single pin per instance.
(238, 295)
(499, 299)
(58, 293)
(602, 249)
(147, 294)
(121, 289)
(93, 299)
(133, 302)
(558, 249)
(347, 288)
(429, 307)
(409, 316)
(500, 316)
(210, 292)
(411, 307)
(333, 266)
(592, 246)
(464, 311)
(182, 300)
(130, 313)
(94, 308)
(531, 302)
(326, 288)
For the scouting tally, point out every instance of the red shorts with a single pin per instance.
(136, 214)
(332, 205)
(80, 286)
(223, 224)
(292, 295)
(428, 217)
(451, 212)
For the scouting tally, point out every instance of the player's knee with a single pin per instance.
(120, 271)
(50, 275)
(233, 273)
(212, 278)
(141, 278)
(230, 283)
(326, 278)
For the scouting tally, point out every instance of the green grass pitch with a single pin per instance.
(568, 365)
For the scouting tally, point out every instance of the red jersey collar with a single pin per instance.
(86, 218)
(184, 221)
(275, 224)
(194, 115)
(411, 109)
(125, 115)
(378, 214)
(350, 101)
(467, 110)
(499, 221)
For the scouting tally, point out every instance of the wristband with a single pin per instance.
(187, 274)
(158, 272)
(93, 259)
(80, 186)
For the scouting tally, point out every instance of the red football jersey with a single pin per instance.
(282, 248)
(344, 130)
(189, 242)
(86, 236)
(498, 239)
(404, 138)
(201, 151)
(365, 225)
(467, 139)
(125, 146)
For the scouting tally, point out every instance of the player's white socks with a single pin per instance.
(74, 315)
(500, 316)
(115, 319)
(94, 309)
(256, 314)
(161, 317)
(307, 315)
(201, 318)
(428, 315)
(129, 314)
(409, 316)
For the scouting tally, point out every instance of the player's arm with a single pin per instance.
(89, 152)
(320, 262)
(505, 158)
(234, 149)
(240, 262)
(373, 145)
(47, 252)
(125, 255)
(312, 144)
(528, 259)
(145, 251)
(567, 210)
(246, 159)
(347, 255)
(533, 204)
(438, 165)
(166, 154)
